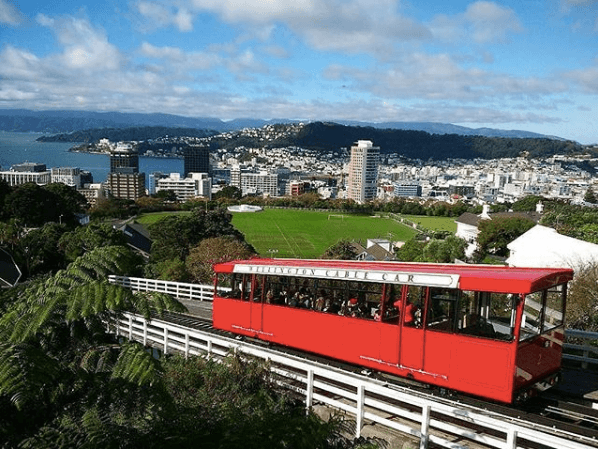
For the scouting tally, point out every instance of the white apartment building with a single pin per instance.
(94, 193)
(193, 186)
(363, 171)
(67, 175)
(263, 182)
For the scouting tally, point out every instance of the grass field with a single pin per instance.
(153, 217)
(434, 223)
(304, 234)
(307, 234)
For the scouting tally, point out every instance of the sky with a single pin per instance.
(529, 65)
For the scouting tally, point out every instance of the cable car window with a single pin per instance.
(555, 302)
(258, 288)
(240, 285)
(442, 308)
(531, 321)
(416, 298)
(330, 295)
(276, 288)
(224, 283)
(364, 299)
(487, 314)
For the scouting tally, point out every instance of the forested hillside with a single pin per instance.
(419, 144)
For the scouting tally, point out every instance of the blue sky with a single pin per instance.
(529, 65)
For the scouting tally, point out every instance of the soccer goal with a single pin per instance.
(342, 217)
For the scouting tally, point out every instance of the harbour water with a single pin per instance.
(22, 147)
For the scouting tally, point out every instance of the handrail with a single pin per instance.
(585, 353)
(371, 400)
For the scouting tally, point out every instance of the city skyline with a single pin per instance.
(504, 64)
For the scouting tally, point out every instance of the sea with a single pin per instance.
(16, 148)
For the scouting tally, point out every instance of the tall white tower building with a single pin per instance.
(363, 171)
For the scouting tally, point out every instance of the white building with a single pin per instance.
(94, 192)
(256, 183)
(193, 186)
(27, 172)
(363, 171)
(67, 175)
(544, 247)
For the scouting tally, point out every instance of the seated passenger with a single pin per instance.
(269, 297)
(320, 301)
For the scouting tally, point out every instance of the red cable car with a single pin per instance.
(490, 331)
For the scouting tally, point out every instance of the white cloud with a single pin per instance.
(9, 13)
(587, 79)
(178, 60)
(483, 22)
(162, 15)
(438, 77)
(84, 47)
(351, 26)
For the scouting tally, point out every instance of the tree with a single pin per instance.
(63, 379)
(32, 204)
(495, 234)
(231, 192)
(528, 203)
(113, 208)
(342, 250)
(85, 238)
(214, 250)
(5, 189)
(590, 197)
(174, 235)
(444, 251)
(411, 251)
(68, 200)
(166, 195)
(38, 250)
(582, 299)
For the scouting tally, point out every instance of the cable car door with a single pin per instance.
(256, 304)
(411, 346)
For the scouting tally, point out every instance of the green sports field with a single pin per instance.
(307, 234)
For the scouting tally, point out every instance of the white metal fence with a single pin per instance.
(367, 400)
(584, 350)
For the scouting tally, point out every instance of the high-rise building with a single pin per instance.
(124, 159)
(124, 180)
(196, 160)
(363, 171)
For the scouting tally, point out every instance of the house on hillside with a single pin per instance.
(375, 249)
(467, 223)
(137, 236)
(544, 247)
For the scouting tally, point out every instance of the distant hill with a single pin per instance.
(447, 128)
(420, 144)
(53, 122)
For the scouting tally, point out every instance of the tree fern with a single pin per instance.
(25, 371)
(135, 364)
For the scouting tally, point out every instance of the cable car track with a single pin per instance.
(561, 417)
